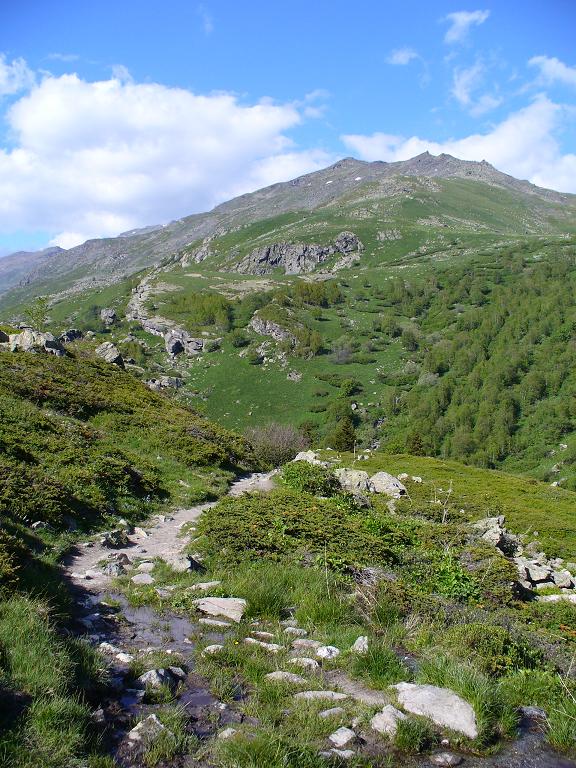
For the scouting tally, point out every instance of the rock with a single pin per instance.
(35, 341)
(227, 733)
(311, 457)
(108, 316)
(39, 525)
(441, 705)
(142, 579)
(155, 678)
(285, 677)
(210, 650)
(109, 648)
(147, 730)
(214, 623)
(295, 631)
(302, 661)
(205, 585)
(125, 658)
(383, 482)
(354, 480)
(294, 376)
(114, 539)
(536, 573)
(332, 712)
(348, 242)
(271, 647)
(342, 736)
(145, 567)
(269, 328)
(563, 579)
(320, 696)
(177, 340)
(98, 716)
(165, 382)
(73, 334)
(230, 607)
(306, 643)
(110, 354)
(327, 652)
(344, 754)
(445, 759)
(386, 722)
(360, 645)
(533, 713)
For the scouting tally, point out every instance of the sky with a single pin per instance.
(118, 115)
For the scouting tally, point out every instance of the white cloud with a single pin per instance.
(460, 23)
(207, 21)
(465, 83)
(402, 56)
(524, 145)
(14, 76)
(65, 57)
(94, 159)
(552, 70)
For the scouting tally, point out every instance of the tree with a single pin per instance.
(343, 436)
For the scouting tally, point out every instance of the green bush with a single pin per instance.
(310, 478)
(413, 736)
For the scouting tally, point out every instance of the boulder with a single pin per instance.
(360, 645)
(383, 482)
(311, 457)
(108, 316)
(229, 607)
(441, 705)
(348, 242)
(142, 579)
(110, 353)
(563, 579)
(327, 652)
(177, 340)
(538, 573)
(155, 678)
(306, 663)
(354, 480)
(211, 650)
(35, 341)
(269, 328)
(386, 722)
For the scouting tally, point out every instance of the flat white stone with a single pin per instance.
(205, 585)
(303, 661)
(327, 652)
(272, 647)
(342, 736)
(142, 579)
(320, 696)
(386, 722)
(145, 567)
(214, 623)
(286, 677)
(441, 705)
(306, 644)
(230, 607)
(263, 635)
(295, 631)
(210, 650)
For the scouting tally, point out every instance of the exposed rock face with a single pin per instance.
(268, 328)
(382, 482)
(108, 316)
(35, 341)
(110, 354)
(178, 340)
(296, 258)
(441, 705)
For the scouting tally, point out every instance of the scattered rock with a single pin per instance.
(295, 631)
(445, 759)
(263, 635)
(327, 652)
(360, 645)
(73, 334)
(109, 648)
(227, 733)
(142, 579)
(145, 567)
(110, 354)
(35, 341)
(230, 607)
(214, 623)
(320, 696)
(386, 722)
(177, 340)
(354, 480)
(306, 643)
(441, 705)
(271, 647)
(332, 712)
(155, 678)
(342, 736)
(302, 661)
(125, 658)
(147, 730)
(286, 677)
(114, 539)
(205, 585)
(311, 457)
(108, 316)
(210, 650)
(383, 482)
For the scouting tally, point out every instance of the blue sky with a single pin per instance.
(117, 115)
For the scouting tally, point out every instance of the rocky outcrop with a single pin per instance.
(110, 353)
(108, 316)
(35, 341)
(165, 382)
(296, 258)
(179, 341)
(383, 482)
(354, 480)
(269, 328)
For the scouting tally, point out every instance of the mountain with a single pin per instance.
(349, 183)
(16, 266)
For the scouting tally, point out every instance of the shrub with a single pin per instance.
(239, 339)
(413, 736)
(275, 444)
(310, 478)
